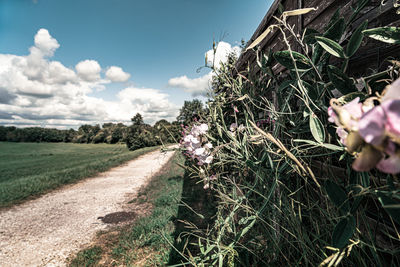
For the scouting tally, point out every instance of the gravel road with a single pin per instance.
(47, 230)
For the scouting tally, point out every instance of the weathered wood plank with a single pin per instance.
(377, 15)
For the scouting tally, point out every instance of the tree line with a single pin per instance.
(136, 135)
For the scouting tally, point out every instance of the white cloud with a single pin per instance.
(116, 74)
(35, 91)
(221, 54)
(197, 86)
(45, 43)
(201, 85)
(88, 70)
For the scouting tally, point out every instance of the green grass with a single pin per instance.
(147, 242)
(31, 169)
(87, 257)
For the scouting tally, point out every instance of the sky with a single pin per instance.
(64, 63)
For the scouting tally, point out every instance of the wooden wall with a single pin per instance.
(371, 54)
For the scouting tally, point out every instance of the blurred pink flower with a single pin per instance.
(342, 134)
(392, 110)
(390, 164)
(372, 126)
(346, 116)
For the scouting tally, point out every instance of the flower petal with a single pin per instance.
(372, 126)
(392, 110)
(342, 134)
(367, 159)
(392, 91)
(390, 165)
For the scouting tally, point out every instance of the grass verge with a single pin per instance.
(147, 240)
(31, 169)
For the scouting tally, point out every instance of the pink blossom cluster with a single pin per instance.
(371, 132)
(196, 145)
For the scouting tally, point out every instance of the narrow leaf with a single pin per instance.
(317, 129)
(326, 145)
(356, 39)
(298, 12)
(331, 47)
(285, 59)
(344, 230)
(335, 31)
(341, 81)
(389, 35)
(260, 38)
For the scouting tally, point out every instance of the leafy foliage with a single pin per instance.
(286, 193)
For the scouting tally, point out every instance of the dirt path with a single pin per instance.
(45, 231)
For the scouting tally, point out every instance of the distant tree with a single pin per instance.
(3, 133)
(69, 135)
(191, 111)
(137, 119)
(159, 124)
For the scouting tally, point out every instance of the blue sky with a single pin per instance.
(158, 44)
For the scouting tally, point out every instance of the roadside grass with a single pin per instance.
(31, 169)
(147, 240)
(88, 257)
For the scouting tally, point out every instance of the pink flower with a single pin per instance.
(233, 127)
(208, 145)
(342, 134)
(213, 177)
(235, 109)
(346, 116)
(389, 165)
(392, 91)
(392, 110)
(199, 151)
(209, 159)
(372, 126)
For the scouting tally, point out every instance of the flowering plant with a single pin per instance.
(196, 144)
(371, 132)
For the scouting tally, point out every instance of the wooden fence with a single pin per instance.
(371, 54)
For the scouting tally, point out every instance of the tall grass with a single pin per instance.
(30, 169)
(286, 193)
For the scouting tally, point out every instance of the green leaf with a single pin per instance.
(309, 36)
(337, 195)
(284, 58)
(317, 129)
(335, 17)
(391, 206)
(331, 47)
(356, 39)
(344, 230)
(328, 146)
(336, 30)
(389, 35)
(312, 90)
(340, 80)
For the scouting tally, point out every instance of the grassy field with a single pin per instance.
(147, 241)
(30, 169)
